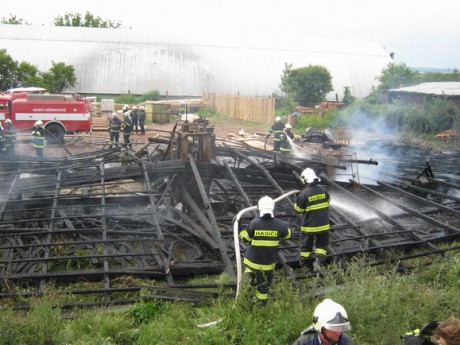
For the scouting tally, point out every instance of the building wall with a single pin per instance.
(117, 61)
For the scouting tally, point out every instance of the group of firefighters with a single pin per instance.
(330, 319)
(263, 234)
(127, 121)
(132, 120)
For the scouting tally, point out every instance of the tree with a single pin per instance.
(88, 20)
(59, 77)
(396, 75)
(8, 71)
(29, 75)
(347, 96)
(13, 20)
(307, 85)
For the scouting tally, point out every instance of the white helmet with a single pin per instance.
(125, 107)
(114, 115)
(38, 123)
(331, 316)
(9, 121)
(308, 176)
(134, 107)
(277, 118)
(288, 125)
(266, 205)
(142, 107)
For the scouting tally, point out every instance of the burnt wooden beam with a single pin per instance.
(211, 216)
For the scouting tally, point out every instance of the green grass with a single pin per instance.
(381, 306)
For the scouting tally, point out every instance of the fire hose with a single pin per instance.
(239, 266)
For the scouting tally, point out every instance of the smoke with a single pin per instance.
(371, 139)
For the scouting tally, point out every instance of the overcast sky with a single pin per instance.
(423, 33)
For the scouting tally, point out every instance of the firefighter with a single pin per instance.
(313, 204)
(277, 130)
(285, 142)
(114, 129)
(127, 127)
(38, 133)
(2, 140)
(263, 234)
(330, 321)
(10, 137)
(142, 119)
(135, 119)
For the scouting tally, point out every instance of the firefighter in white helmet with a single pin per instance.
(313, 205)
(135, 119)
(127, 128)
(330, 321)
(114, 128)
(125, 108)
(263, 234)
(38, 134)
(10, 137)
(277, 130)
(286, 139)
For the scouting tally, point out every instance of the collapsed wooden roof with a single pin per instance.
(166, 211)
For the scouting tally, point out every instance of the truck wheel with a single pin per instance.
(54, 133)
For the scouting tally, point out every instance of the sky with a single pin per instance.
(423, 33)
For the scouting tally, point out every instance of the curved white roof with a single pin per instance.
(118, 61)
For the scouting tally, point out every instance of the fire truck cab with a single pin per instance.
(59, 113)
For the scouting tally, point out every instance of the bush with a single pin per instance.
(125, 99)
(153, 95)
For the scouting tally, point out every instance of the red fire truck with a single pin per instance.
(59, 113)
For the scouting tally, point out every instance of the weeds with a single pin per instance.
(380, 305)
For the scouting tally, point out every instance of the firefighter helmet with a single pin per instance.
(277, 119)
(125, 107)
(331, 316)
(9, 121)
(38, 124)
(288, 126)
(308, 176)
(266, 205)
(142, 107)
(134, 107)
(114, 115)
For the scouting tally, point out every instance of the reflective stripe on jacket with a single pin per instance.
(264, 234)
(39, 138)
(114, 125)
(313, 204)
(277, 129)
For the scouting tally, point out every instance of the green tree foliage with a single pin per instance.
(308, 85)
(396, 75)
(14, 74)
(29, 74)
(440, 77)
(442, 114)
(59, 77)
(347, 96)
(13, 20)
(8, 70)
(88, 20)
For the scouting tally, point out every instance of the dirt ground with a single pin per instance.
(224, 128)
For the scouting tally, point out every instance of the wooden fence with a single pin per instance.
(246, 108)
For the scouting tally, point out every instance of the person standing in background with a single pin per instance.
(38, 133)
(10, 137)
(142, 119)
(277, 130)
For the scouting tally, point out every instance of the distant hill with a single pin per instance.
(432, 69)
